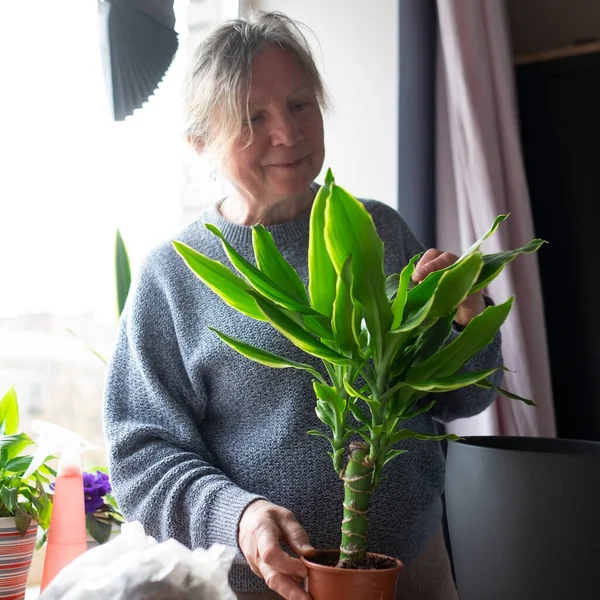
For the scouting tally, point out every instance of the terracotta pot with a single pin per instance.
(332, 583)
(16, 552)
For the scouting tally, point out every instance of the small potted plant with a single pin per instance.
(385, 346)
(25, 503)
(103, 518)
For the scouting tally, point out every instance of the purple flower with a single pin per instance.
(95, 487)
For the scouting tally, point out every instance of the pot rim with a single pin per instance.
(11, 521)
(318, 567)
(485, 442)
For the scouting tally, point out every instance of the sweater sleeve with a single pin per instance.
(160, 468)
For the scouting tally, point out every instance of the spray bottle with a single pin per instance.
(67, 530)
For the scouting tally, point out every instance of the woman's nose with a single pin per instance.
(285, 130)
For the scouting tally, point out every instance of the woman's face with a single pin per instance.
(287, 151)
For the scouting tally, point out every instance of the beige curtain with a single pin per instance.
(480, 174)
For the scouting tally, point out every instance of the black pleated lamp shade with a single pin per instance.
(138, 42)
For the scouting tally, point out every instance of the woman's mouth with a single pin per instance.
(289, 165)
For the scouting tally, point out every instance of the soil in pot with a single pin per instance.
(326, 581)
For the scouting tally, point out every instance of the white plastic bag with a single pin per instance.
(133, 566)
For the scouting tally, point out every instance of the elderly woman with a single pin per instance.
(208, 447)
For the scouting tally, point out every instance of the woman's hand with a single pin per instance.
(262, 526)
(434, 260)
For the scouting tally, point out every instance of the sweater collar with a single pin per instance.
(295, 230)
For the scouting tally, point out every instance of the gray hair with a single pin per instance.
(217, 81)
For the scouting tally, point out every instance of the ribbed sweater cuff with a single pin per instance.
(222, 518)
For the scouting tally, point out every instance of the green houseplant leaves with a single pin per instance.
(384, 344)
(23, 498)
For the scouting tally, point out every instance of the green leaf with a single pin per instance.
(320, 434)
(416, 317)
(15, 444)
(20, 464)
(258, 280)
(99, 530)
(455, 284)
(482, 239)
(358, 413)
(391, 454)
(423, 292)
(263, 356)
(229, 287)
(45, 511)
(355, 393)
(47, 470)
(122, 271)
(420, 294)
(489, 385)
(94, 352)
(325, 413)
(319, 326)
(322, 275)
(493, 264)
(403, 284)
(9, 496)
(441, 291)
(38, 461)
(477, 334)
(350, 231)
(271, 263)
(330, 396)
(419, 411)
(433, 338)
(9, 412)
(446, 384)
(42, 536)
(357, 327)
(343, 320)
(296, 334)
(22, 520)
(329, 179)
(407, 434)
(391, 285)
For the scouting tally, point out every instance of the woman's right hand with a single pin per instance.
(262, 526)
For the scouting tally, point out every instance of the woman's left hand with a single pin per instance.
(434, 260)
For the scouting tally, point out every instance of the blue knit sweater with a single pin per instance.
(196, 432)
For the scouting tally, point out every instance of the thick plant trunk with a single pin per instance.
(358, 491)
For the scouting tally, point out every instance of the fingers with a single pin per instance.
(294, 534)
(284, 585)
(432, 260)
(271, 554)
(280, 571)
(262, 526)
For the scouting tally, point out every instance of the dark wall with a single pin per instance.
(559, 104)
(539, 25)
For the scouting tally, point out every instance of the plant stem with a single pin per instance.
(358, 491)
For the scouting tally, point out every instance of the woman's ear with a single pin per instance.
(196, 143)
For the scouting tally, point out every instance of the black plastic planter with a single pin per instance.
(524, 518)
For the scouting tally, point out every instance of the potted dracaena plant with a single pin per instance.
(25, 502)
(384, 344)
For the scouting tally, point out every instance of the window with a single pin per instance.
(71, 177)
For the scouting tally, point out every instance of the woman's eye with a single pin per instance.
(254, 119)
(299, 105)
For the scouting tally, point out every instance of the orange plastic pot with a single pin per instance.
(333, 583)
